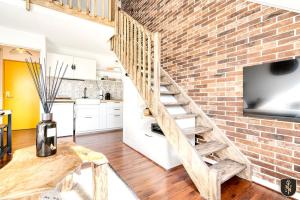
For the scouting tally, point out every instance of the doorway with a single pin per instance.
(20, 95)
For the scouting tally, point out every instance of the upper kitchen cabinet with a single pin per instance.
(78, 68)
(53, 59)
(84, 68)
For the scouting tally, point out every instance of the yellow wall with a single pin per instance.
(20, 95)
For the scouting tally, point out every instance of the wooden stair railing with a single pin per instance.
(100, 11)
(215, 159)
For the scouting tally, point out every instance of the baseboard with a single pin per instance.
(272, 186)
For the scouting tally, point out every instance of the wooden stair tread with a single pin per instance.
(169, 93)
(162, 83)
(210, 147)
(228, 168)
(196, 130)
(152, 73)
(176, 104)
(165, 83)
(184, 116)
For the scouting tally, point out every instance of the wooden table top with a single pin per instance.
(29, 175)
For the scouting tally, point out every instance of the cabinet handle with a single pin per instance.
(117, 109)
(88, 117)
(117, 115)
(148, 135)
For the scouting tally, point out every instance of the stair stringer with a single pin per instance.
(231, 152)
(192, 162)
(195, 166)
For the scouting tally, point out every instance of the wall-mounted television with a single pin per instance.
(273, 89)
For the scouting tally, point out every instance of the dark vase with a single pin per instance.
(46, 136)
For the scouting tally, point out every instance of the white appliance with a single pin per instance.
(63, 115)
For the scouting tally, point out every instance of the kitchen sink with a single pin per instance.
(87, 101)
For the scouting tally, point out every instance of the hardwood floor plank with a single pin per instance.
(147, 179)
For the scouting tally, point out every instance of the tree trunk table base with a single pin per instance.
(30, 177)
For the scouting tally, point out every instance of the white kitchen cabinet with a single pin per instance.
(102, 116)
(78, 68)
(114, 115)
(63, 115)
(84, 68)
(98, 117)
(53, 58)
(86, 118)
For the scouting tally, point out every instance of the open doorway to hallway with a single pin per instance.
(18, 91)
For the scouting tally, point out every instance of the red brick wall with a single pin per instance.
(200, 42)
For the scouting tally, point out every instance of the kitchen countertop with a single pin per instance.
(115, 101)
(64, 101)
(74, 101)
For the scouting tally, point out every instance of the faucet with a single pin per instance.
(84, 93)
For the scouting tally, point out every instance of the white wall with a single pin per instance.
(14, 38)
(137, 129)
(292, 5)
(8, 55)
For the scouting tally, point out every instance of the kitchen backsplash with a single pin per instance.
(74, 89)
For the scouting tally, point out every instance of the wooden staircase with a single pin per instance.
(215, 159)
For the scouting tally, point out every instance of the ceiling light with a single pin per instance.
(20, 51)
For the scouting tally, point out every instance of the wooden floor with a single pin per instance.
(147, 179)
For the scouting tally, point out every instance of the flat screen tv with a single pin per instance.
(273, 89)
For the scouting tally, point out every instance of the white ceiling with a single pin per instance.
(62, 31)
(292, 5)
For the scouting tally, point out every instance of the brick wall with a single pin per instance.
(205, 47)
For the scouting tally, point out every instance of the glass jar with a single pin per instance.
(46, 136)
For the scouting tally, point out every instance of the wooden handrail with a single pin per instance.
(139, 52)
(91, 11)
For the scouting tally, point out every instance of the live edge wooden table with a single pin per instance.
(29, 177)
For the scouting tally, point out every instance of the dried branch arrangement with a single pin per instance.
(47, 88)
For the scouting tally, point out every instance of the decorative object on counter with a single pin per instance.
(46, 136)
(104, 78)
(100, 89)
(107, 96)
(101, 94)
(84, 93)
